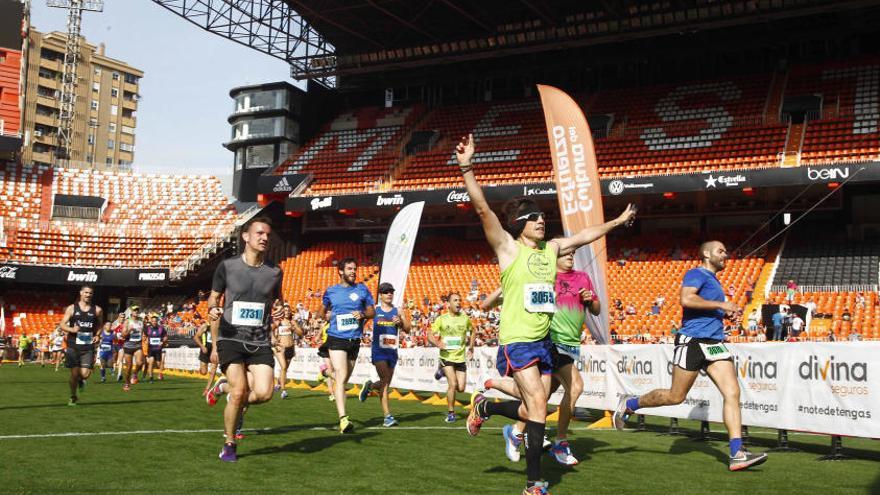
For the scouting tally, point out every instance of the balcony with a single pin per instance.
(129, 103)
(40, 118)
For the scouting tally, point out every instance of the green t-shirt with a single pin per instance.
(23, 342)
(529, 295)
(453, 330)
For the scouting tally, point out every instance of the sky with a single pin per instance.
(188, 72)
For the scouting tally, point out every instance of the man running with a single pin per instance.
(202, 338)
(528, 275)
(23, 343)
(284, 348)
(105, 349)
(157, 339)
(574, 295)
(118, 342)
(133, 334)
(387, 325)
(346, 305)
(80, 321)
(699, 345)
(449, 332)
(241, 328)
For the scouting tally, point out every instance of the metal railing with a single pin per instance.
(828, 288)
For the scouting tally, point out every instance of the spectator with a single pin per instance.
(674, 330)
(618, 304)
(621, 262)
(777, 323)
(630, 309)
(660, 301)
(786, 323)
(860, 300)
(797, 325)
(731, 293)
(750, 290)
(475, 285)
(753, 321)
(790, 290)
(846, 316)
(854, 336)
(655, 309)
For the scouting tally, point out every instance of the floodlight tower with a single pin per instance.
(67, 106)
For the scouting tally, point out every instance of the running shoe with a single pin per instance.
(475, 420)
(284, 394)
(546, 444)
(745, 459)
(238, 435)
(211, 396)
(620, 415)
(82, 384)
(134, 380)
(562, 452)
(72, 401)
(539, 488)
(118, 378)
(228, 453)
(103, 379)
(331, 398)
(438, 374)
(151, 379)
(126, 387)
(511, 443)
(451, 417)
(277, 387)
(389, 421)
(161, 377)
(345, 425)
(365, 392)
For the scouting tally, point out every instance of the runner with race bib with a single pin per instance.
(346, 305)
(105, 350)
(387, 325)
(81, 321)
(450, 333)
(699, 345)
(132, 348)
(157, 338)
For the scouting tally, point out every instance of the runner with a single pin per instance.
(574, 295)
(23, 343)
(325, 372)
(387, 324)
(346, 305)
(105, 349)
(81, 320)
(156, 339)
(527, 279)
(284, 348)
(57, 347)
(133, 334)
(44, 350)
(449, 332)
(202, 339)
(241, 328)
(699, 345)
(118, 341)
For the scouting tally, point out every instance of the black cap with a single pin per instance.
(385, 287)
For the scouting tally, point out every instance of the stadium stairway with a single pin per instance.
(775, 96)
(46, 196)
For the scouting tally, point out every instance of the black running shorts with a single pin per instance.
(693, 354)
(205, 357)
(462, 366)
(155, 354)
(352, 347)
(79, 358)
(230, 352)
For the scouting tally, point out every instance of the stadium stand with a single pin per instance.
(354, 151)
(148, 220)
(847, 127)
(839, 278)
(35, 312)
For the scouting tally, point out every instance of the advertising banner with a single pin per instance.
(62, 275)
(399, 247)
(815, 387)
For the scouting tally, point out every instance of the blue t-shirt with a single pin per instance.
(106, 342)
(777, 319)
(385, 337)
(703, 324)
(342, 301)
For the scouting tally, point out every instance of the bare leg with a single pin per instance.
(682, 381)
(571, 381)
(451, 387)
(723, 374)
(261, 378)
(341, 372)
(386, 373)
(237, 387)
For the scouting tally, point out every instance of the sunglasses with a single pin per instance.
(387, 292)
(531, 217)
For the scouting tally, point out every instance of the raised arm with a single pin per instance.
(496, 298)
(585, 236)
(500, 240)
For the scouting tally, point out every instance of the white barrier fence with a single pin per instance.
(829, 388)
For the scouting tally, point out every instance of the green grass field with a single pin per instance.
(292, 448)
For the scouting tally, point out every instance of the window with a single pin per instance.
(109, 161)
(115, 76)
(111, 144)
(97, 71)
(112, 127)
(131, 78)
(126, 147)
(91, 139)
(94, 104)
(114, 109)
(114, 93)
(96, 86)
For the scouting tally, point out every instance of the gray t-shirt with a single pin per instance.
(249, 293)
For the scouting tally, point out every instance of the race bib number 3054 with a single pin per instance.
(247, 314)
(539, 298)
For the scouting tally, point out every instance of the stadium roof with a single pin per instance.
(377, 35)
